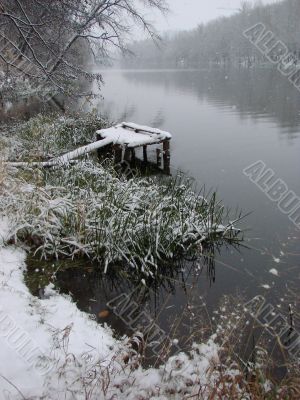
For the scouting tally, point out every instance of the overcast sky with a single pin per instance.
(186, 14)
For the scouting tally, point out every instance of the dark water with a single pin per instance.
(221, 121)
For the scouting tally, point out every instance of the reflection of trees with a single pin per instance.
(257, 93)
(158, 119)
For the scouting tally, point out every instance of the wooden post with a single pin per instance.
(145, 155)
(106, 151)
(127, 154)
(117, 149)
(166, 156)
(132, 151)
(158, 157)
(99, 151)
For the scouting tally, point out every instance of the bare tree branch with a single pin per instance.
(56, 38)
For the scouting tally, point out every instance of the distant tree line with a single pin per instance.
(221, 41)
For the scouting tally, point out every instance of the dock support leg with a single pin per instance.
(127, 154)
(166, 156)
(132, 151)
(145, 155)
(117, 153)
(104, 152)
(99, 151)
(158, 157)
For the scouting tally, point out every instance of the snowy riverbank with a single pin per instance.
(51, 350)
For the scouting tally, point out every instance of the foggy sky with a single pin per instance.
(187, 14)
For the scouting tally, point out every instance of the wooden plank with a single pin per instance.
(145, 129)
(166, 156)
(66, 158)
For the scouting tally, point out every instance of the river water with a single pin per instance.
(222, 121)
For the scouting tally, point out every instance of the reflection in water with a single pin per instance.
(256, 92)
(158, 119)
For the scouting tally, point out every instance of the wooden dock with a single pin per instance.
(126, 137)
(121, 140)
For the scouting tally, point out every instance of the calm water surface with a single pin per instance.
(221, 121)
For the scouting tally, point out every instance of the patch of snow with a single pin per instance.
(81, 151)
(36, 335)
(125, 134)
(274, 271)
(266, 286)
(267, 385)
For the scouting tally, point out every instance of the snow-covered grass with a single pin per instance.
(14, 86)
(89, 210)
(47, 136)
(2, 174)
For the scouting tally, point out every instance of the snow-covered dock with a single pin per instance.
(121, 140)
(133, 135)
(128, 136)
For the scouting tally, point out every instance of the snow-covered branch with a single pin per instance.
(57, 38)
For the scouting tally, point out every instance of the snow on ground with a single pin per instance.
(274, 271)
(50, 350)
(34, 333)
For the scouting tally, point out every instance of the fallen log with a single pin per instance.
(65, 158)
